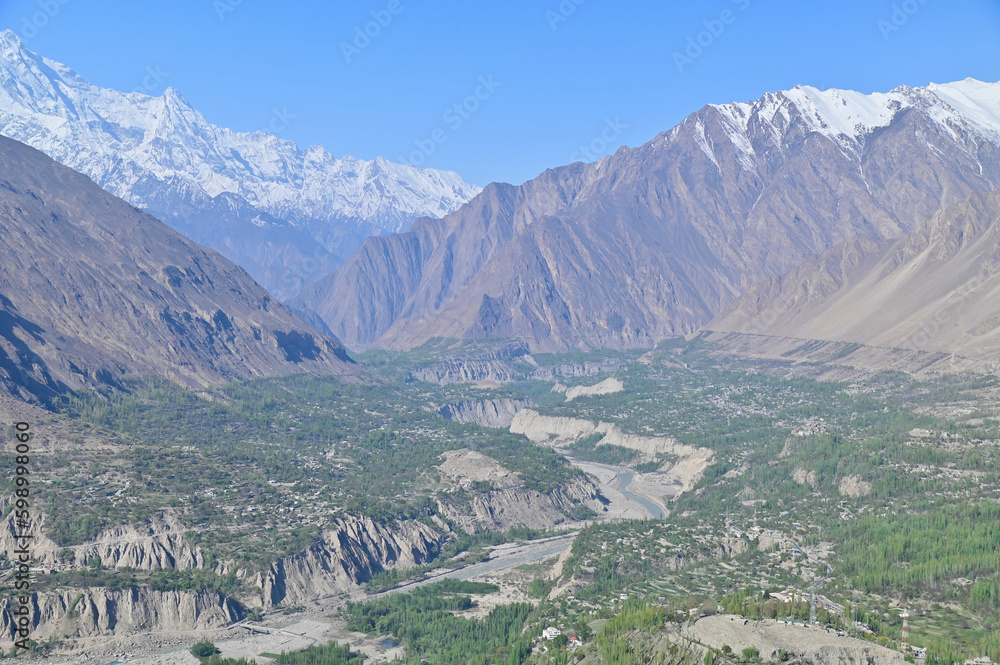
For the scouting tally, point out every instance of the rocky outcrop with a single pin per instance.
(98, 612)
(570, 370)
(502, 509)
(466, 371)
(853, 486)
(487, 413)
(686, 468)
(605, 387)
(803, 477)
(349, 552)
(479, 363)
(559, 431)
(157, 545)
(553, 431)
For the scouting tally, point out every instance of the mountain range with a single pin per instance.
(286, 215)
(662, 239)
(92, 290)
(806, 214)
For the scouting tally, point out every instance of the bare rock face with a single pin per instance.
(501, 509)
(98, 612)
(508, 504)
(935, 290)
(466, 371)
(492, 363)
(91, 289)
(159, 545)
(349, 553)
(605, 387)
(570, 370)
(496, 413)
(803, 477)
(655, 241)
(854, 486)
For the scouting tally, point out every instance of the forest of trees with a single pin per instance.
(912, 554)
(424, 622)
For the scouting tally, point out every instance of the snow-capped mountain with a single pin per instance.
(285, 214)
(847, 117)
(658, 240)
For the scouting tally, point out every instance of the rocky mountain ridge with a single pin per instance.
(92, 289)
(656, 241)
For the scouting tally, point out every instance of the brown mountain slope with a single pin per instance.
(91, 288)
(937, 290)
(657, 240)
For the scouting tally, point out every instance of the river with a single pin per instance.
(625, 479)
(607, 475)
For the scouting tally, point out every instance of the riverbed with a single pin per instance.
(619, 479)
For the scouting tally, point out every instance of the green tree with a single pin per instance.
(204, 649)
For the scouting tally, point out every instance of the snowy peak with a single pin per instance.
(122, 140)
(9, 41)
(977, 101)
(846, 115)
(842, 112)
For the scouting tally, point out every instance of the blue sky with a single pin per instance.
(538, 84)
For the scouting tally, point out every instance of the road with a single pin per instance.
(501, 557)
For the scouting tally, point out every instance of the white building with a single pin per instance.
(551, 633)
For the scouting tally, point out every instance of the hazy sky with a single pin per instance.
(537, 84)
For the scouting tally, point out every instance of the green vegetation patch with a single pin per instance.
(425, 622)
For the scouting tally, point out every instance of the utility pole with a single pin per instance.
(812, 601)
(854, 616)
